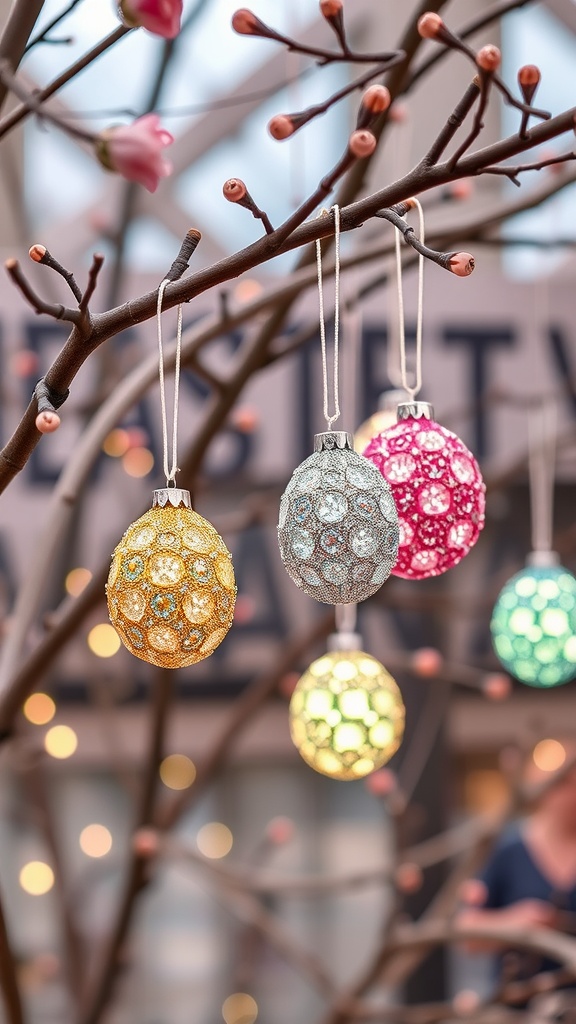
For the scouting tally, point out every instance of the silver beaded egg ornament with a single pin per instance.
(338, 526)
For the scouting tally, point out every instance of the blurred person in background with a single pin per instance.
(529, 882)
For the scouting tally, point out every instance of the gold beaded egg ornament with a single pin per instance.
(171, 587)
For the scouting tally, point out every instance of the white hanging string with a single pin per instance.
(541, 460)
(345, 615)
(330, 419)
(415, 387)
(169, 472)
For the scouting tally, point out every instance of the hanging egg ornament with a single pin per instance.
(338, 527)
(437, 487)
(171, 587)
(534, 622)
(346, 712)
(384, 417)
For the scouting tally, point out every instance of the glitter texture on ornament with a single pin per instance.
(346, 715)
(438, 491)
(338, 527)
(534, 625)
(171, 588)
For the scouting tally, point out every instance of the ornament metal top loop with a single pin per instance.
(330, 440)
(415, 411)
(174, 496)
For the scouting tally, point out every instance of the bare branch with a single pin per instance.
(459, 263)
(453, 123)
(42, 36)
(8, 977)
(235, 191)
(96, 267)
(513, 172)
(25, 109)
(40, 254)
(246, 23)
(21, 20)
(53, 309)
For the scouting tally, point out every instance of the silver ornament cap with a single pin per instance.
(338, 525)
(344, 641)
(414, 411)
(329, 440)
(173, 496)
(543, 559)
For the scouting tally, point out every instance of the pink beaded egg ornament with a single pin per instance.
(437, 487)
(435, 481)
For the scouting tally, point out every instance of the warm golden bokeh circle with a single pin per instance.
(346, 715)
(171, 587)
(39, 708)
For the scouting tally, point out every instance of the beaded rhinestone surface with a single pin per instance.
(171, 587)
(338, 527)
(439, 494)
(346, 715)
(534, 626)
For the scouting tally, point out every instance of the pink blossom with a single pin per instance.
(135, 151)
(162, 17)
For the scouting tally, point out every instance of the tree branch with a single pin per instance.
(25, 109)
(21, 20)
(8, 977)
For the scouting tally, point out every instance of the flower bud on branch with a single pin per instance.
(375, 100)
(161, 17)
(529, 80)
(332, 10)
(135, 151)
(489, 58)
(461, 263)
(362, 143)
(235, 191)
(282, 126)
(47, 422)
(430, 25)
(245, 23)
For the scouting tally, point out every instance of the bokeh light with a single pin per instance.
(549, 755)
(240, 1008)
(77, 580)
(346, 715)
(247, 290)
(36, 878)
(214, 840)
(177, 771)
(138, 462)
(95, 840)
(60, 741)
(39, 708)
(103, 640)
(116, 443)
(534, 626)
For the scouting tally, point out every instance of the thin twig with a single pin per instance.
(485, 81)
(41, 36)
(8, 977)
(53, 309)
(96, 996)
(96, 267)
(19, 24)
(25, 109)
(453, 123)
(40, 254)
(513, 172)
